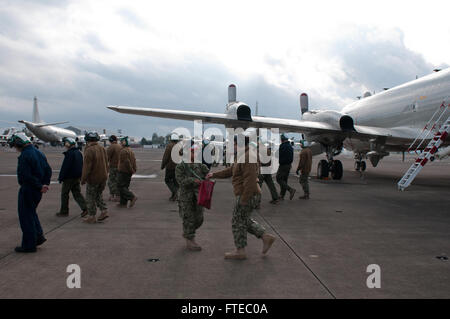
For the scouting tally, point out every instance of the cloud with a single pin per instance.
(130, 17)
(73, 65)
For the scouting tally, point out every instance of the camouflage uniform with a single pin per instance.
(113, 181)
(242, 223)
(94, 198)
(113, 160)
(190, 212)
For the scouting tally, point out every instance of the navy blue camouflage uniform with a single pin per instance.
(33, 172)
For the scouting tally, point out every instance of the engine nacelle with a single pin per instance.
(334, 118)
(240, 111)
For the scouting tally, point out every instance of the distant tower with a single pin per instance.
(256, 112)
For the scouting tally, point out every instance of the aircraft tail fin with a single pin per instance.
(36, 116)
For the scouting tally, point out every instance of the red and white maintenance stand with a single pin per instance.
(432, 147)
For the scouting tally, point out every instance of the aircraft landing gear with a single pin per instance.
(360, 165)
(335, 167)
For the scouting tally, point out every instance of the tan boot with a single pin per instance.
(133, 201)
(103, 215)
(238, 254)
(267, 242)
(192, 245)
(90, 220)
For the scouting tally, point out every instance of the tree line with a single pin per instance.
(156, 140)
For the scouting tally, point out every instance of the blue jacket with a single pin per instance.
(72, 165)
(286, 153)
(33, 169)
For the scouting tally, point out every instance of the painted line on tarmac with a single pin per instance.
(145, 176)
(298, 256)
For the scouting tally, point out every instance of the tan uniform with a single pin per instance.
(95, 174)
(305, 162)
(95, 166)
(126, 168)
(127, 161)
(113, 155)
(245, 187)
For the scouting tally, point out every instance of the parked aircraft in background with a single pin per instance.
(47, 132)
(371, 127)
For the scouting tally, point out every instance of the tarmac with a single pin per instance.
(323, 247)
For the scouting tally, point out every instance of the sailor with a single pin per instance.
(244, 173)
(69, 176)
(267, 178)
(126, 169)
(94, 174)
(189, 176)
(168, 164)
(286, 157)
(304, 167)
(113, 161)
(33, 174)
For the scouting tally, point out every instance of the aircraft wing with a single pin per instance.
(392, 136)
(225, 119)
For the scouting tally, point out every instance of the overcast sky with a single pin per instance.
(79, 56)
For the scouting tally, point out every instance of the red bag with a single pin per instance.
(205, 193)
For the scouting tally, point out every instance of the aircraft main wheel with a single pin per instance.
(337, 170)
(322, 169)
(357, 166)
(363, 166)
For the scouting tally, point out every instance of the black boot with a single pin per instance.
(20, 249)
(41, 239)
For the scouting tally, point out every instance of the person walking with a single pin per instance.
(244, 173)
(266, 177)
(304, 167)
(126, 169)
(168, 164)
(33, 175)
(94, 174)
(69, 176)
(286, 157)
(189, 176)
(113, 162)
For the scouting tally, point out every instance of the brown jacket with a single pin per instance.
(113, 155)
(95, 166)
(127, 161)
(167, 162)
(305, 162)
(245, 179)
